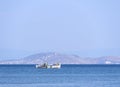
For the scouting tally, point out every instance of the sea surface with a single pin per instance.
(67, 76)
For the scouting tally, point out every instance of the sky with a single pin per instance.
(88, 28)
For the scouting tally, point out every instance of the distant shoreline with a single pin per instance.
(65, 64)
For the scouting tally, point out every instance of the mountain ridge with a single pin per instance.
(53, 57)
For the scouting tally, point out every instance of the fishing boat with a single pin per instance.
(45, 65)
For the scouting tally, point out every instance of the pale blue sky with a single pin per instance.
(82, 27)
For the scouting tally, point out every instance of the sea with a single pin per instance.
(66, 76)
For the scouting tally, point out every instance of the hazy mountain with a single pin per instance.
(62, 58)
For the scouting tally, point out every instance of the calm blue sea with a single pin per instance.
(67, 76)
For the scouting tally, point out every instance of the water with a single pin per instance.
(67, 76)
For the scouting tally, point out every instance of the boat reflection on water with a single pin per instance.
(45, 65)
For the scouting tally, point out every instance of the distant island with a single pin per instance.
(53, 57)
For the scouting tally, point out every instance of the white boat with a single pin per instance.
(45, 65)
(55, 66)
